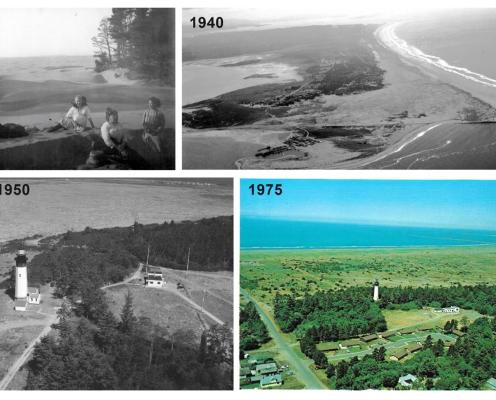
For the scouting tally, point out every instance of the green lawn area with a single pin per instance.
(264, 272)
(424, 318)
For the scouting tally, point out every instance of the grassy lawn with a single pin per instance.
(264, 272)
(424, 318)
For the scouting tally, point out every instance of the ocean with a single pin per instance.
(57, 205)
(261, 233)
(463, 38)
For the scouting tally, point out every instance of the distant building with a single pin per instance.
(271, 380)
(376, 290)
(451, 310)
(369, 338)
(398, 355)
(154, 277)
(265, 369)
(407, 380)
(491, 384)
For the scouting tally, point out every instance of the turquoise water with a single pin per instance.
(275, 233)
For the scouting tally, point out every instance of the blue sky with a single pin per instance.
(453, 204)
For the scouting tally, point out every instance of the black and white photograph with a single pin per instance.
(87, 88)
(327, 88)
(116, 284)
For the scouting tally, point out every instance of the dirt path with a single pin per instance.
(193, 304)
(4, 383)
(302, 371)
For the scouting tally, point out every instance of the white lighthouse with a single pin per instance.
(21, 270)
(376, 290)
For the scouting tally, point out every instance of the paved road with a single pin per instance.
(304, 374)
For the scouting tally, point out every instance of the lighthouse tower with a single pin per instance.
(376, 290)
(21, 270)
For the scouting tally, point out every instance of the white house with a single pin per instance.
(407, 380)
(451, 310)
(154, 277)
(34, 295)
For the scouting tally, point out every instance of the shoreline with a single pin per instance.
(415, 247)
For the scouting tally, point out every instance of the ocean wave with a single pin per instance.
(386, 35)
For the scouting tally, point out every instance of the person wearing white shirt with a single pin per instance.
(76, 118)
(113, 133)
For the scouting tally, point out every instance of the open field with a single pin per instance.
(264, 272)
(424, 318)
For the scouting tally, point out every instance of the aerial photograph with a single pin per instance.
(322, 89)
(116, 284)
(356, 285)
(87, 88)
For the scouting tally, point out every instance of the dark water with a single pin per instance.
(271, 233)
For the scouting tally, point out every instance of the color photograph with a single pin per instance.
(355, 285)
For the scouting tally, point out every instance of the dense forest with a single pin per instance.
(467, 364)
(139, 39)
(94, 257)
(253, 332)
(341, 314)
(93, 350)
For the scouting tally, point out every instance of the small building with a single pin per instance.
(451, 310)
(34, 295)
(20, 304)
(407, 331)
(491, 384)
(327, 346)
(369, 338)
(402, 353)
(386, 335)
(271, 380)
(154, 277)
(407, 380)
(415, 347)
(266, 369)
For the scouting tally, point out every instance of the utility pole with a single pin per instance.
(203, 300)
(187, 264)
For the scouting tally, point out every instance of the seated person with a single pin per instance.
(76, 118)
(113, 133)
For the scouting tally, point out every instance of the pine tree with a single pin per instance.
(128, 319)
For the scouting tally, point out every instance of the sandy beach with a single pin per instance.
(37, 92)
(424, 94)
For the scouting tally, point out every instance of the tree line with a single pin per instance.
(253, 332)
(94, 350)
(95, 257)
(139, 39)
(345, 313)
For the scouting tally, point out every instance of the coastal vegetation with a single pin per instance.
(253, 332)
(139, 39)
(94, 350)
(80, 261)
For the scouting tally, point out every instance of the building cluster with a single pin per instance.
(262, 372)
